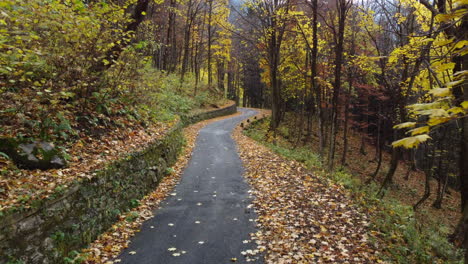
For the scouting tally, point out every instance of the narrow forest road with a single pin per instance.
(206, 219)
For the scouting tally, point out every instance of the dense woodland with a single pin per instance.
(391, 73)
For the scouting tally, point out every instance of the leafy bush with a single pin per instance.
(50, 53)
(56, 76)
(162, 96)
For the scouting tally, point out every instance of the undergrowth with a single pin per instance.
(394, 228)
(164, 96)
(57, 79)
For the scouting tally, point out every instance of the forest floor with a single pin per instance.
(20, 188)
(404, 236)
(407, 191)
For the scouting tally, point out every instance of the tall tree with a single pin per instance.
(342, 8)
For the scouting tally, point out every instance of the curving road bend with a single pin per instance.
(206, 220)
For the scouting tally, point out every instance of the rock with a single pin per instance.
(35, 155)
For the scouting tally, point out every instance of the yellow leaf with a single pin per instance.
(461, 44)
(419, 130)
(441, 92)
(454, 83)
(455, 110)
(405, 125)
(434, 121)
(464, 105)
(443, 42)
(411, 142)
(460, 2)
(434, 113)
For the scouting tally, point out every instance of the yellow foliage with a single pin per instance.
(411, 142)
(405, 125)
(419, 130)
(434, 121)
(441, 92)
(434, 112)
(442, 42)
(456, 110)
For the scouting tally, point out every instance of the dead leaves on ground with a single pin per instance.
(20, 187)
(302, 218)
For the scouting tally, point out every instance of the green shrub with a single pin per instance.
(162, 96)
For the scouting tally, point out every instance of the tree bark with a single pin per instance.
(315, 87)
(209, 42)
(274, 50)
(343, 7)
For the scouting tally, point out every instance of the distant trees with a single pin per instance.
(193, 36)
(269, 20)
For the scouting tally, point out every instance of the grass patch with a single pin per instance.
(394, 227)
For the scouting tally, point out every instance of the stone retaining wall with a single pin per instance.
(191, 119)
(73, 217)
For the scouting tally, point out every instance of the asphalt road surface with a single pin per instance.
(206, 220)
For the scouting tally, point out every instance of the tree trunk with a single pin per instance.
(314, 74)
(391, 171)
(209, 40)
(427, 189)
(441, 185)
(276, 97)
(170, 53)
(343, 6)
(463, 163)
(428, 171)
(345, 132)
(221, 75)
(187, 32)
(461, 95)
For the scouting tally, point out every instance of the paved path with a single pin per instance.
(207, 219)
